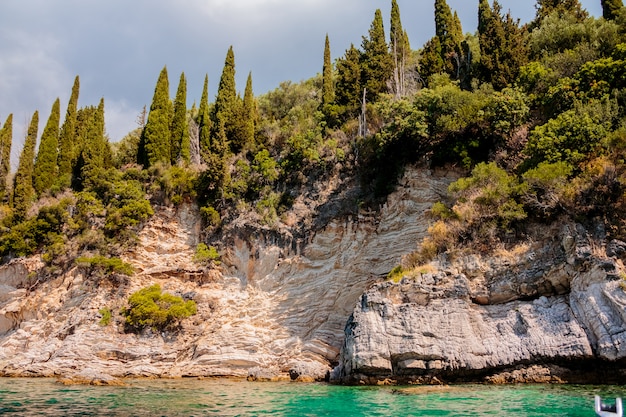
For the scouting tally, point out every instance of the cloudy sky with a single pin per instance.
(118, 47)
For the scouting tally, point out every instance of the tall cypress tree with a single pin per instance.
(611, 8)
(96, 149)
(6, 138)
(400, 49)
(204, 121)
(226, 106)
(249, 112)
(502, 47)
(448, 30)
(156, 135)
(179, 129)
(348, 91)
(46, 169)
(328, 90)
(67, 153)
(23, 191)
(377, 64)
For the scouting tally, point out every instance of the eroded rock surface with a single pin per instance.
(561, 302)
(275, 308)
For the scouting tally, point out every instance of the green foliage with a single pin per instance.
(96, 153)
(508, 110)
(349, 89)
(210, 216)
(155, 140)
(45, 229)
(204, 122)
(572, 8)
(611, 8)
(67, 136)
(105, 265)
(488, 197)
(571, 136)
(6, 137)
(502, 47)
(177, 183)
(179, 129)
(449, 32)
(206, 254)
(105, 314)
(151, 308)
(45, 169)
(328, 89)
(23, 191)
(396, 274)
(376, 61)
(227, 108)
(545, 186)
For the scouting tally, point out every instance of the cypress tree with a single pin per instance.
(377, 65)
(67, 153)
(328, 90)
(156, 135)
(431, 61)
(249, 112)
(502, 47)
(179, 130)
(96, 151)
(546, 7)
(349, 87)
(226, 106)
(400, 49)
(6, 138)
(23, 191)
(611, 8)
(204, 121)
(450, 33)
(46, 169)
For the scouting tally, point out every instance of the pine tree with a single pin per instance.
(611, 8)
(46, 169)
(349, 90)
(546, 7)
(328, 90)
(204, 121)
(23, 191)
(67, 137)
(179, 129)
(155, 141)
(450, 33)
(377, 64)
(6, 138)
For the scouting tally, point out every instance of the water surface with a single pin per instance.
(192, 397)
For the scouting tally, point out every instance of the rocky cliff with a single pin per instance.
(550, 311)
(276, 306)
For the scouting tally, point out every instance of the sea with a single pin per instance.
(223, 397)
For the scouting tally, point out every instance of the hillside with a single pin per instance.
(475, 187)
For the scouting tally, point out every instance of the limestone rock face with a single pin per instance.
(275, 307)
(472, 318)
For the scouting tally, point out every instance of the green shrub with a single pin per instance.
(210, 216)
(396, 274)
(206, 254)
(106, 265)
(106, 316)
(151, 308)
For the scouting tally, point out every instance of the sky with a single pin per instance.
(118, 47)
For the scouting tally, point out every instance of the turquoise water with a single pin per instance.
(190, 397)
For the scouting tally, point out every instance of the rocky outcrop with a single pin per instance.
(559, 302)
(275, 308)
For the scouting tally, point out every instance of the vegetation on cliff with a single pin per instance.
(534, 113)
